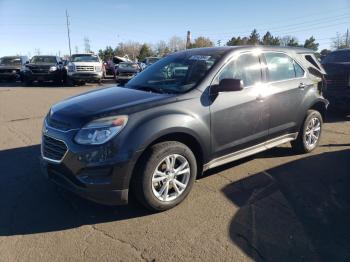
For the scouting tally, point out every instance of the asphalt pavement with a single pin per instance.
(274, 206)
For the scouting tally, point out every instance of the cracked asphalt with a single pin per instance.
(275, 206)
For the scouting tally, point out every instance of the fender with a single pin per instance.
(143, 134)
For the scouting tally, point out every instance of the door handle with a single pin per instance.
(302, 86)
(260, 98)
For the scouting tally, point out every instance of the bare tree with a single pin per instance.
(37, 51)
(176, 43)
(339, 41)
(162, 48)
(130, 49)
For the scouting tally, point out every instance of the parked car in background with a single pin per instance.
(337, 66)
(192, 111)
(109, 68)
(44, 68)
(126, 71)
(151, 60)
(84, 68)
(11, 67)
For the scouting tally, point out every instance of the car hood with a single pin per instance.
(76, 111)
(86, 63)
(128, 70)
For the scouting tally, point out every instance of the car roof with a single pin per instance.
(44, 56)
(84, 54)
(287, 49)
(341, 50)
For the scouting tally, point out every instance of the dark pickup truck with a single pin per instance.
(10, 67)
(337, 66)
(44, 68)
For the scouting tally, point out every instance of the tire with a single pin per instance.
(305, 142)
(154, 195)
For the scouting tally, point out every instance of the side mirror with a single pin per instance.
(230, 85)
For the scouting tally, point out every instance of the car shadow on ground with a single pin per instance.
(30, 204)
(333, 117)
(299, 211)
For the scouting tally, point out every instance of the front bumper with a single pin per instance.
(85, 76)
(10, 74)
(124, 78)
(55, 75)
(101, 196)
(105, 181)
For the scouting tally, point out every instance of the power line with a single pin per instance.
(284, 28)
(294, 18)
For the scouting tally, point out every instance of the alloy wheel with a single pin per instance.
(312, 132)
(171, 177)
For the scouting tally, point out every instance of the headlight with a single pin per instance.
(71, 68)
(53, 68)
(98, 68)
(101, 130)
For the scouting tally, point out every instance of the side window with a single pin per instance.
(246, 68)
(299, 72)
(280, 66)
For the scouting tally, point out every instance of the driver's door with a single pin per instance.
(239, 119)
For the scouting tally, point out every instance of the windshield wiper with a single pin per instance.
(151, 89)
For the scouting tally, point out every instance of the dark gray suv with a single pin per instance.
(187, 113)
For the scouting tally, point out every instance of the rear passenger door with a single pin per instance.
(287, 84)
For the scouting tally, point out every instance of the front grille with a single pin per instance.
(8, 71)
(126, 74)
(85, 68)
(40, 70)
(53, 149)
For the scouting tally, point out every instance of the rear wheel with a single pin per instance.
(165, 177)
(310, 133)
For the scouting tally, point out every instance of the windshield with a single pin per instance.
(128, 65)
(43, 59)
(176, 73)
(338, 57)
(84, 58)
(10, 61)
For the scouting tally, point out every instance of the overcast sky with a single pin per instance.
(28, 25)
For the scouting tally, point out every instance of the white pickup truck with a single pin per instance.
(84, 68)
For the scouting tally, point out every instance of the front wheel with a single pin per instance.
(310, 133)
(165, 176)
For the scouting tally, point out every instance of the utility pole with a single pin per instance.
(67, 21)
(87, 45)
(347, 38)
(188, 40)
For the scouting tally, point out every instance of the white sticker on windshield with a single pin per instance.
(200, 57)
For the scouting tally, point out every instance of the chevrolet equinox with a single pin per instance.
(189, 112)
